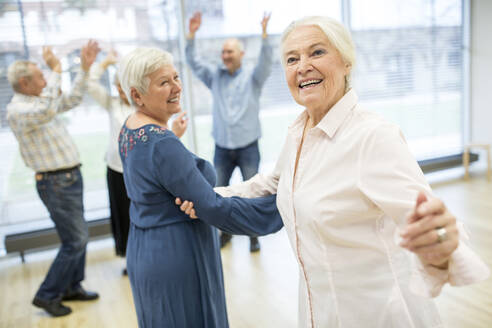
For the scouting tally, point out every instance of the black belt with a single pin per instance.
(67, 170)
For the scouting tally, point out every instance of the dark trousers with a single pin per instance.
(226, 160)
(61, 192)
(119, 205)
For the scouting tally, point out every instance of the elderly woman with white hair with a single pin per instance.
(354, 200)
(118, 109)
(174, 263)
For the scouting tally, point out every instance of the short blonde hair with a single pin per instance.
(336, 33)
(18, 70)
(135, 67)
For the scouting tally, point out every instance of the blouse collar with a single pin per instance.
(334, 118)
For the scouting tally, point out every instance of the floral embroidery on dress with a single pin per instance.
(128, 138)
(159, 130)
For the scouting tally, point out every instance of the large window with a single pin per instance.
(409, 68)
(66, 25)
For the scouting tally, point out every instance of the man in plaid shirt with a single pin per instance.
(47, 148)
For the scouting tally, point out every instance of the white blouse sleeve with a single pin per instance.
(259, 185)
(391, 178)
(388, 173)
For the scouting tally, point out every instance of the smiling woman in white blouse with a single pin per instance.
(372, 243)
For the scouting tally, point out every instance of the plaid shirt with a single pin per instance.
(44, 142)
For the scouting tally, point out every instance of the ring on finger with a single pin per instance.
(442, 234)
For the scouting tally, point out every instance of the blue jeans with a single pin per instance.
(226, 160)
(61, 193)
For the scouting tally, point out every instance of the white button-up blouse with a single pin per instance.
(356, 180)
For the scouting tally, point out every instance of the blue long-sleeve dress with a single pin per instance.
(173, 262)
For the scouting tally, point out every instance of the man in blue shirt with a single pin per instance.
(236, 94)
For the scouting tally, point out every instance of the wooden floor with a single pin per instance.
(261, 288)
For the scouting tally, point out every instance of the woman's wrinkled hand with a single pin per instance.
(186, 207)
(431, 232)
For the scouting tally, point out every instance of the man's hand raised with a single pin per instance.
(264, 24)
(195, 23)
(88, 54)
(51, 60)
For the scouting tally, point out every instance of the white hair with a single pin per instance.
(336, 33)
(18, 70)
(135, 67)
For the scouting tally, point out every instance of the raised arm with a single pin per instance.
(194, 24)
(202, 70)
(88, 55)
(264, 24)
(44, 108)
(263, 67)
(180, 176)
(96, 90)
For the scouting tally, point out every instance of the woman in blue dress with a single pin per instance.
(174, 263)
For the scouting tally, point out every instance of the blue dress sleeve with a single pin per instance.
(179, 175)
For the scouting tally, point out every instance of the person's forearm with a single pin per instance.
(96, 90)
(105, 64)
(251, 217)
(57, 69)
(258, 186)
(96, 72)
(76, 95)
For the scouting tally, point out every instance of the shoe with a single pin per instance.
(53, 307)
(80, 295)
(254, 244)
(125, 272)
(225, 238)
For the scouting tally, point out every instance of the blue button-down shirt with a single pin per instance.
(236, 97)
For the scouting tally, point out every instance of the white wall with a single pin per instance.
(481, 71)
